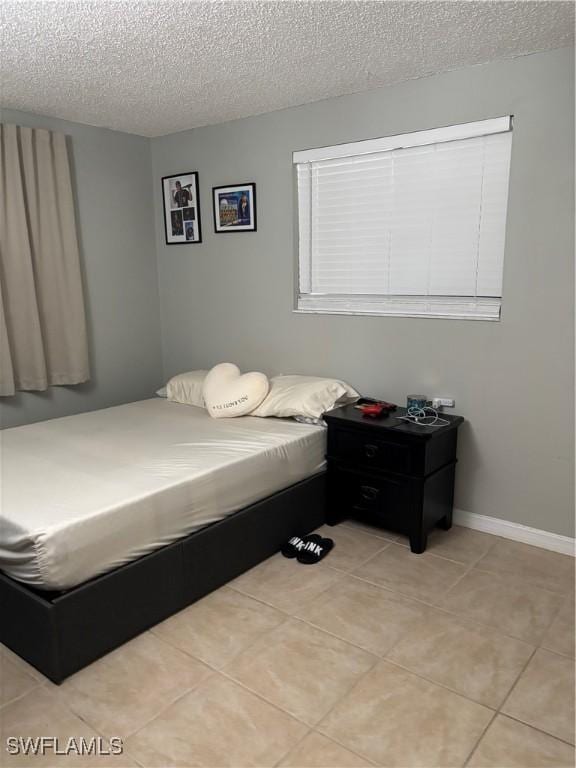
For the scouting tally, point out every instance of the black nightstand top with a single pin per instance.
(348, 415)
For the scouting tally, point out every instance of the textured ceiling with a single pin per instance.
(158, 67)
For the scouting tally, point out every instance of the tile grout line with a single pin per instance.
(448, 611)
(239, 591)
(555, 653)
(131, 733)
(354, 752)
(260, 600)
(340, 699)
(395, 593)
(312, 730)
(226, 676)
(455, 584)
(293, 748)
(10, 702)
(513, 687)
(495, 710)
(342, 573)
(399, 541)
(462, 695)
(258, 695)
(346, 524)
(61, 696)
(472, 565)
(285, 617)
(351, 574)
(379, 657)
(338, 637)
(517, 581)
(512, 717)
(539, 730)
(476, 625)
(345, 642)
(339, 574)
(438, 684)
(549, 627)
(148, 722)
(318, 725)
(385, 658)
(503, 702)
(467, 569)
(360, 564)
(477, 742)
(311, 727)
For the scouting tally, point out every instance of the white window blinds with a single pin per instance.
(406, 225)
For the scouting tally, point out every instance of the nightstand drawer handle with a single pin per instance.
(370, 450)
(368, 493)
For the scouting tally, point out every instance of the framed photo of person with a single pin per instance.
(182, 209)
(235, 208)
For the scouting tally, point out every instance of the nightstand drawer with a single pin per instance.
(367, 450)
(358, 494)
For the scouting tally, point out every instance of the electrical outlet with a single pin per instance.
(446, 402)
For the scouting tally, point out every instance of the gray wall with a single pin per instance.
(231, 298)
(112, 180)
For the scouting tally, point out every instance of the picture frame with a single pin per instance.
(181, 199)
(234, 207)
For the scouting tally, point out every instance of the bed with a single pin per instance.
(115, 519)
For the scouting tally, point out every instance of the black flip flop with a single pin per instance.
(293, 546)
(315, 549)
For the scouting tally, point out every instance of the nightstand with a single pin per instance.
(391, 473)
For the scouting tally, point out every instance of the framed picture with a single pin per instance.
(182, 209)
(235, 208)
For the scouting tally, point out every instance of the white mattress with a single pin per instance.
(84, 494)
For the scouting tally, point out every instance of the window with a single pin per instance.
(406, 225)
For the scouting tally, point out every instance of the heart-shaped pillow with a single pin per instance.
(227, 392)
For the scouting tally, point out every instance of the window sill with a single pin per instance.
(441, 307)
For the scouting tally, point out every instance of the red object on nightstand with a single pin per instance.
(376, 410)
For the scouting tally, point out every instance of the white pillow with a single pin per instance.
(162, 392)
(229, 393)
(310, 421)
(187, 388)
(310, 396)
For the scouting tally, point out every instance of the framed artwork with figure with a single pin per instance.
(235, 208)
(182, 209)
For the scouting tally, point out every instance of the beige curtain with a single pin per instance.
(42, 318)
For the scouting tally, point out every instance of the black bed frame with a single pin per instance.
(60, 633)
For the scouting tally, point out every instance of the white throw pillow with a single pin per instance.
(187, 388)
(229, 393)
(310, 396)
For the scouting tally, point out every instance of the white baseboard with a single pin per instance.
(515, 531)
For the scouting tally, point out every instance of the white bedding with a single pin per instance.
(84, 494)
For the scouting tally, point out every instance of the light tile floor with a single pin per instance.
(463, 656)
